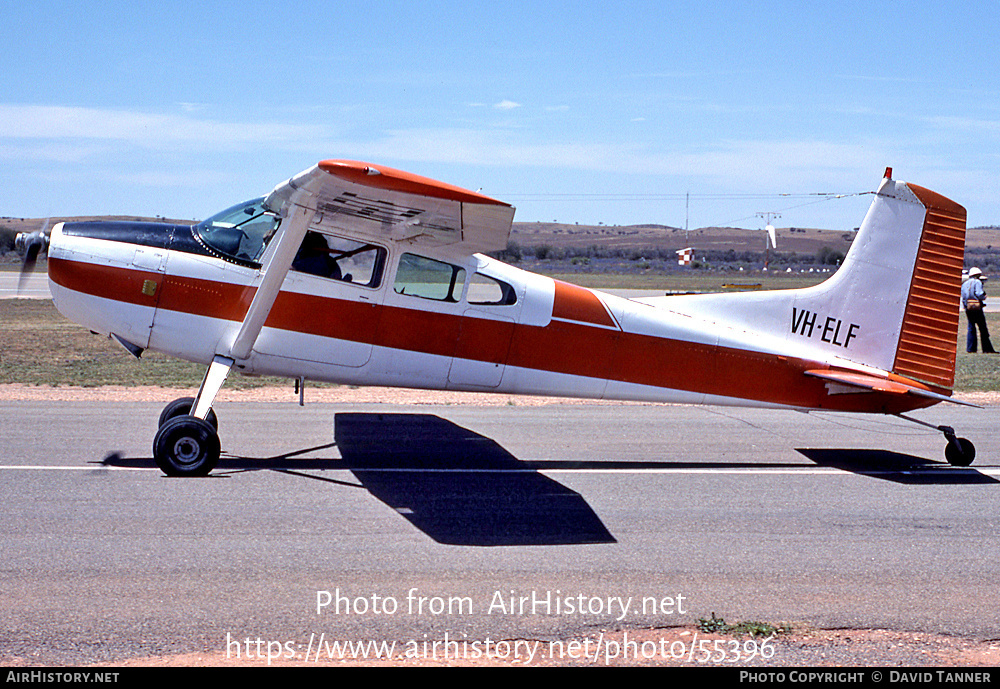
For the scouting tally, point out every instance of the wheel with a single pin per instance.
(186, 446)
(182, 407)
(963, 457)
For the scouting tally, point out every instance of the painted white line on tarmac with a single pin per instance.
(97, 467)
(791, 471)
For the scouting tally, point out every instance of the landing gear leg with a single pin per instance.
(187, 442)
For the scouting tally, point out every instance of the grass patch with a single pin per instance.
(978, 372)
(39, 346)
(755, 630)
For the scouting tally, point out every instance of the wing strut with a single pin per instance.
(293, 230)
(289, 238)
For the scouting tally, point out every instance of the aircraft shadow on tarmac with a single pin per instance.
(460, 487)
(457, 486)
(894, 466)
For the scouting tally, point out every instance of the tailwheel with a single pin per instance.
(186, 446)
(181, 407)
(959, 452)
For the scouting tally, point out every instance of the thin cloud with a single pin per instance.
(196, 179)
(967, 124)
(507, 105)
(152, 130)
(747, 162)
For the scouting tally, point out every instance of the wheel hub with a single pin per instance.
(187, 450)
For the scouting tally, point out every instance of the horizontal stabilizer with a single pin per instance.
(865, 381)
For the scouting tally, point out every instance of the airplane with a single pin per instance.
(362, 274)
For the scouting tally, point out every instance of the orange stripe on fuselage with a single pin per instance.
(572, 348)
(104, 281)
(210, 298)
(223, 300)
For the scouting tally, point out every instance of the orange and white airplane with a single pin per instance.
(361, 274)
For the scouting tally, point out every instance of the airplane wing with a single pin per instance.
(380, 203)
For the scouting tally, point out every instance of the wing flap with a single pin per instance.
(381, 203)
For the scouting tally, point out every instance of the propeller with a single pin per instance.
(30, 244)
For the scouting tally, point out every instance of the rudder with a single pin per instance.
(926, 347)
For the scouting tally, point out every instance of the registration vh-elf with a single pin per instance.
(361, 274)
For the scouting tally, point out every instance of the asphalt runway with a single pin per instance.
(34, 286)
(483, 523)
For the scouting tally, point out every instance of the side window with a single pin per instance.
(488, 291)
(336, 258)
(424, 277)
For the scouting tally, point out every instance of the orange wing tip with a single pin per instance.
(390, 179)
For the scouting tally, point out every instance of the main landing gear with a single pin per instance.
(186, 445)
(187, 442)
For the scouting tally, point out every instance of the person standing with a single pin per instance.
(974, 301)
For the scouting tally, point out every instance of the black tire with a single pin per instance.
(961, 458)
(186, 446)
(182, 407)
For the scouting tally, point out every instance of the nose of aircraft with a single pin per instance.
(105, 275)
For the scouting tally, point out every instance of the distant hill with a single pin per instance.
(662, 238)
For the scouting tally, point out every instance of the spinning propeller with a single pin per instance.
(30, 244)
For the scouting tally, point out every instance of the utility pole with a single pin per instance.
(687, 214)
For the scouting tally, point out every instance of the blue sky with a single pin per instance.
(577, 112)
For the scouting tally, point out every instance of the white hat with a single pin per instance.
(974, 272)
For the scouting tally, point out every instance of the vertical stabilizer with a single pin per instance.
(893, 305)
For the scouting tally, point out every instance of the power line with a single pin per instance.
(815, 197)
(830, 197)
(663, 197)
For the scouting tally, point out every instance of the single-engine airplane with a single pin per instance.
(362, 274)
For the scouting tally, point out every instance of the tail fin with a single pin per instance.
(893, 305)
(900, 285)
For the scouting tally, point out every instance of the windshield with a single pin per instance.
(241, 232)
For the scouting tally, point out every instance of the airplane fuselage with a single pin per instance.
(496, 328)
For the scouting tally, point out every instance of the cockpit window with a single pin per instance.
(241, 232)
